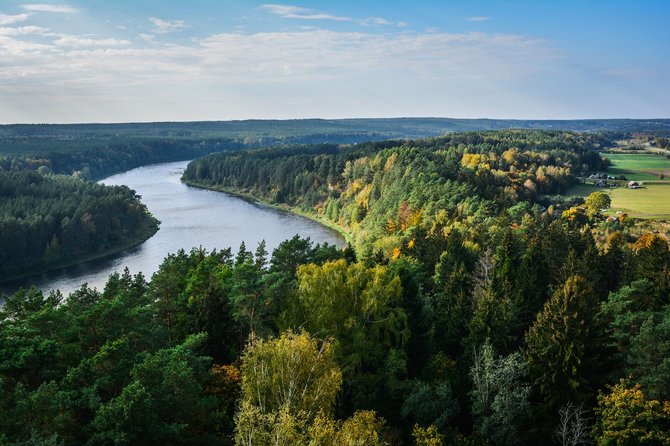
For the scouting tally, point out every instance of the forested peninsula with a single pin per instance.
(48, 221)
(381, 192)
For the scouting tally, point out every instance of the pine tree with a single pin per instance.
(565, 346)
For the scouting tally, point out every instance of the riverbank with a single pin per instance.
(281, 207)
(149, 229)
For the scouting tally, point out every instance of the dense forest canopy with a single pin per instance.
(378, 191)
(48, 220)
(474, 308)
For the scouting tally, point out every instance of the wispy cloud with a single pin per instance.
(46, 7)
(380, 21)
(167, 26)
(297, 12)
(9, 19)
(148, 37)
(23, 30)
(79, 42)
(21, 58)
(478, 18)
(268, 57)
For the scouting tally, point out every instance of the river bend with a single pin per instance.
(190, 217)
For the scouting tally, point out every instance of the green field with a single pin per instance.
(639, 167)
(650, 201)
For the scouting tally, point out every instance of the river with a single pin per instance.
(190, 217)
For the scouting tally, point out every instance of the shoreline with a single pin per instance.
(348, 239)
(144, 235)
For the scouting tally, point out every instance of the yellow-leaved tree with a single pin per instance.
(625, 417)
(289, 386)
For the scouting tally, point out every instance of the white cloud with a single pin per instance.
(23, 30)
(479, 18)
(77, 42)
(167, 26)
(297, 12)
(279, 56)
(177, 76)
(9, 19)
(46, 7)
(148, 37)
(380, 21)
(21, 56)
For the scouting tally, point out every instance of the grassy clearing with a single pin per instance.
(650, 201)
(639, 167)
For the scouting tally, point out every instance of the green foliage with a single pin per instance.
(293, 372)
(358, 307)
(565, 348)
(430, 402)
(500, 399)
(51, 220)
(649, 357)
(378, 190)
(163, 401)
(289, 385)
(598, 201)
(455, 252)
(451, 307)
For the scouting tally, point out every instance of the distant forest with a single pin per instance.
(98, 150)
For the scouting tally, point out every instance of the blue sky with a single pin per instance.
(135, 60)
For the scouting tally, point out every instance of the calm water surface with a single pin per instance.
(189, 217)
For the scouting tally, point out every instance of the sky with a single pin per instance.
(163, 60)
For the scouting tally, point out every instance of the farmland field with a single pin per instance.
(650, 201)
(640, 167)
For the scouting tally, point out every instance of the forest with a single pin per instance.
(50, 220)
(476, 305)
(379, 192)
(98, 150)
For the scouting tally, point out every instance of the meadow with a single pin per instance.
(650, 201)
(639, 167)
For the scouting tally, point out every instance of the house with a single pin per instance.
(633, 185)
